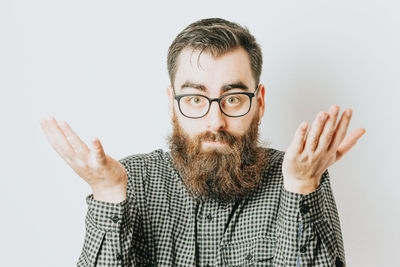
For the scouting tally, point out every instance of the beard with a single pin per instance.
(224, 173)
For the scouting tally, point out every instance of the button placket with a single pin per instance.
(208, 243)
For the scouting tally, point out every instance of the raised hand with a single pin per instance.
(106, 176)
(308, 156)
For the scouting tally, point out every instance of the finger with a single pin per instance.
(349, 142)
(315, 132)
(77, 144)
(297, 144)
(341, 130)
(99, 151)
(329, 129)
(56, 138)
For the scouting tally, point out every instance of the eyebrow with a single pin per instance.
(224, 88)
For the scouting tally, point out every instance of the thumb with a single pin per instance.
(98, 150)
(348, 142)
(297, 143)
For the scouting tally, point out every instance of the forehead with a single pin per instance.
(212, 72)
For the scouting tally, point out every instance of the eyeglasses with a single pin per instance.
(195, 106)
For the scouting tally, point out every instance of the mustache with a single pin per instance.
(221, 136)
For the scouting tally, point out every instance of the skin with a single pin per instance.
(307, 157)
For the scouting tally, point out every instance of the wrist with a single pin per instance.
(301, 186)
(114, 194)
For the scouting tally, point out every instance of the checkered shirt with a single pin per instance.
(160, 224)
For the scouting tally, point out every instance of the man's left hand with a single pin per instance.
(308, 156)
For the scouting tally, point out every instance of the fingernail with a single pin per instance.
(348, 112)
(335, 110)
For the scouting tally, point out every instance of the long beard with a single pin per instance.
(225, 173)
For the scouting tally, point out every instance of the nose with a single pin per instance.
(216, 119)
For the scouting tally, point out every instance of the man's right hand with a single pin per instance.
(106, 176)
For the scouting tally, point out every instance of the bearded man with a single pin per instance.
(217, 198)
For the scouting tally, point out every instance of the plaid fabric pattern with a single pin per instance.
(160, 224)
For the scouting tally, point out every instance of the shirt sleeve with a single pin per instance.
(114, 232)
(309, 232)
(105, 223)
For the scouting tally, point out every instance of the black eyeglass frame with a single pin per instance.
(218, 100)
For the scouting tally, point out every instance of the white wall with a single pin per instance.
(93, 64)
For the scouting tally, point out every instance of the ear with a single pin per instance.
(261, 100)
(170, 94)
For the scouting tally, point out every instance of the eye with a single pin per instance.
(196, 100)
(232, 100)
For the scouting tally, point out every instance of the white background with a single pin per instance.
(101, 66)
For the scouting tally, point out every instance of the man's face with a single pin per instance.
(217, 155)
(213, 77)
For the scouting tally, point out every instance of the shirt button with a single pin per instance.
(209, 217)
(115, 219)
(338, 262)
(249, 257)
(304, 209)
(119, 257)
(303, 249)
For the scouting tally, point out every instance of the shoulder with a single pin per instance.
(158, 154)
(153, 160)
(275, 154)
(275, 158)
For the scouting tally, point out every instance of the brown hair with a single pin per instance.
(216, 36)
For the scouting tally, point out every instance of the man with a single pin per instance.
(217, 198)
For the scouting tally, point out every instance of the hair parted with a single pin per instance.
(216, 36)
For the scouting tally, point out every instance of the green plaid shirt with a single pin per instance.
(160, 224)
